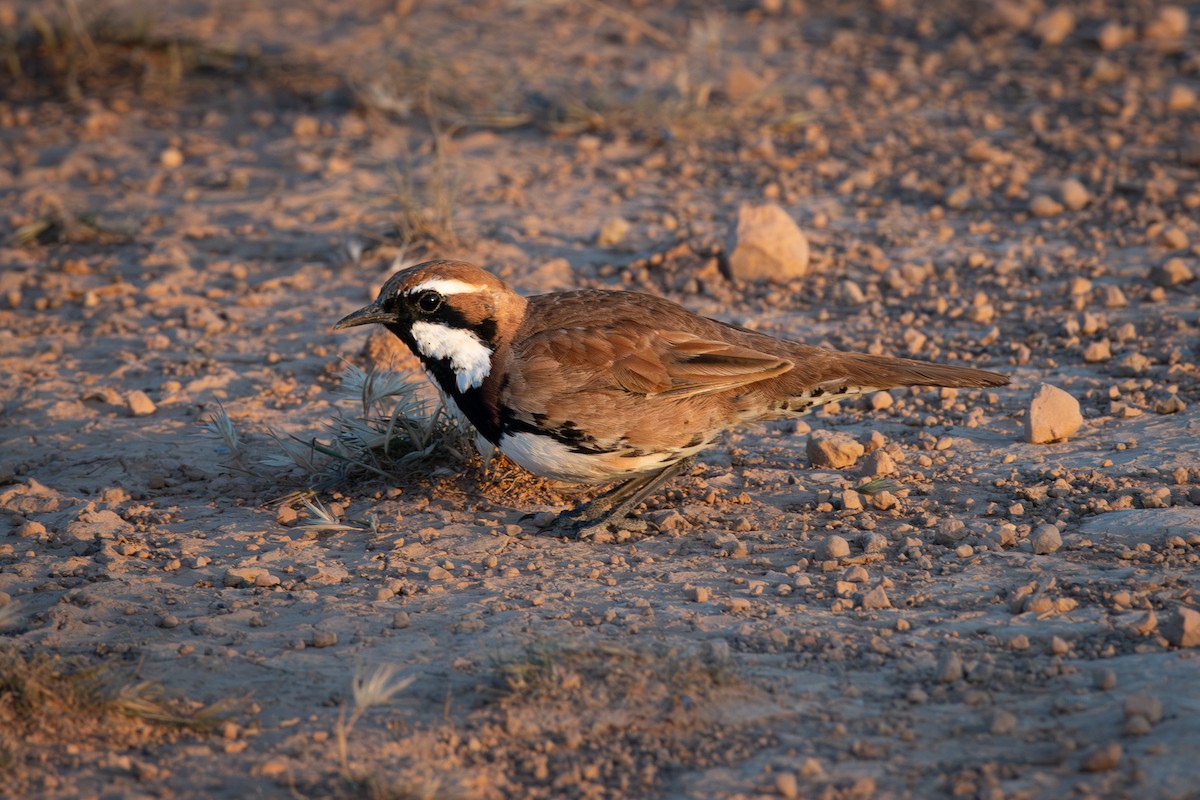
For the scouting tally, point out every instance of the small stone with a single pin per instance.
(168, 621)
(1173, 272)
(851, 500)
(832, 450)
(1103, 759)
(139, 404)
(1097, 352)
(767, 245)
(1136, 726)
(833, 547)
(875, 598)
(1053, 416)
(1104, 679)
(1183, 628)
(1173, 238)
(786, 785)
(1003, 723)
(306, 126)
(1059, 646)
(1180, 98)
(324, 639)
(1145, 705)
(1132, 365)
(1043, 205)
(1074, 194)
(700, 594)
(171, 158)
(1056, 26)
(876, 464)
(949, 668)
(856, 573)
(401, 620)
(439, 574)
(1171, 23)
(1019, 642)
(872, 542)
(612, 232)
(1045, 540)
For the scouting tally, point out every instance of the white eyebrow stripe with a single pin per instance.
(447, 286)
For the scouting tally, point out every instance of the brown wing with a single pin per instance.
(644, 360)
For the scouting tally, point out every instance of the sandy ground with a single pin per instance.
(194, 192)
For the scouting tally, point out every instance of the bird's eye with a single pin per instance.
(429, 302)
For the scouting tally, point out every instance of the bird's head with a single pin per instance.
(452, 315)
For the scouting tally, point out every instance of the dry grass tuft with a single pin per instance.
(47, 702)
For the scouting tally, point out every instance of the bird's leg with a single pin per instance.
(615, 504)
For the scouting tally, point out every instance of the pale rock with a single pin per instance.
(139, 404)
(612, 232)
(1097, 352)
(876, 464)
(1183, 628)
(1172, 273)
(1053, 415)
(768, 245)
(1074, 194)
(1045, 540)
(1056, 26)
(1043, 205)
(833, 547)
(828, 449)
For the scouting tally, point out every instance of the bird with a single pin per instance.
(600, 386)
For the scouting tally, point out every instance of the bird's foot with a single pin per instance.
(579, 525)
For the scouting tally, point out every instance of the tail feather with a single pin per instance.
(887, 372)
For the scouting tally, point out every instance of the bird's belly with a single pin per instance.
(550, 458)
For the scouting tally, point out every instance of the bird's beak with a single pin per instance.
(364, 316)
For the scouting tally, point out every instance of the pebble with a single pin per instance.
(877, 463)
(1053, 415)
(1055, 26)
(700, 594)
(1103, 759)
(613, 232)
(949, 668)
(1074, 194)
(1097, 352)
(1003, 723)
(832, 450)
(872, 542)
(1045, 540)
(1104, 679)
(139, 404)
(1172, 272)
(875, 598)
(1171, 23)
(1145, 705)
(1183, 628)
(401, 620)
(767, 245)
(851, 500)
(437, 573)
(1043, 205)
(168, 621)
(833, 547)
(786, 785)
(1132, 365)
(324, 639)
(171, 158)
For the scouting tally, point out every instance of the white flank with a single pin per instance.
(469, 357)
(446, 286)
(548, 458)
(543, 455)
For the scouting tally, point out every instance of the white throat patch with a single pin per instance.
(469, 357)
